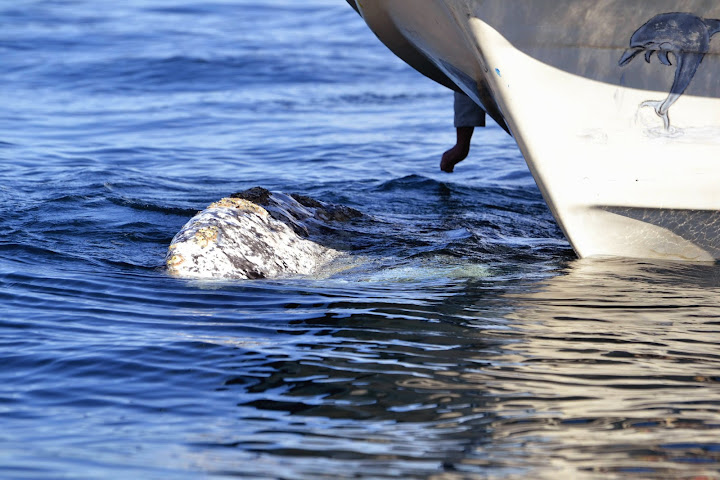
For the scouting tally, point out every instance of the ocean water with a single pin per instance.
(467, 342)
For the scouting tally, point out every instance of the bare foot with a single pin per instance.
(459, 152)
(452, 157)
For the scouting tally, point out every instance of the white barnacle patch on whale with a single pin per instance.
(254, 234)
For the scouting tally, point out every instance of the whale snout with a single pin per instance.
(257, 234)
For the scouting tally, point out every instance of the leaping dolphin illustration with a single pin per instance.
(686, 36)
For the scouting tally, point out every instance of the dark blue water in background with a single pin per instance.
(467, 343)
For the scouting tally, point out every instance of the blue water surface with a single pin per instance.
(467, 342)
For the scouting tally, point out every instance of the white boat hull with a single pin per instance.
(626, 153)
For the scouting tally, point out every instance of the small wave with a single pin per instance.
(410, 182)
(144, 205)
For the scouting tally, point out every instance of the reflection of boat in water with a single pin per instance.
(615, 106)
(612, 366)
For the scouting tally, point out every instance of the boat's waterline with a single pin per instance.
(625, 151)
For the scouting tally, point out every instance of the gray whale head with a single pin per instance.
(255, 234)
(686, 36)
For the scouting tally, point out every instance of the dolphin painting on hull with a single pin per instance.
(686, 36)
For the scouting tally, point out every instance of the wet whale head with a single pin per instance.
(686, 37)
(255, 234)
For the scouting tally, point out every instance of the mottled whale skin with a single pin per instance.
(686, 36)
(255, 234)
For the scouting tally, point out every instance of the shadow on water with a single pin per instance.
(606, 370)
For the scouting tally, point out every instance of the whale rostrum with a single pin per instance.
(256, 234)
